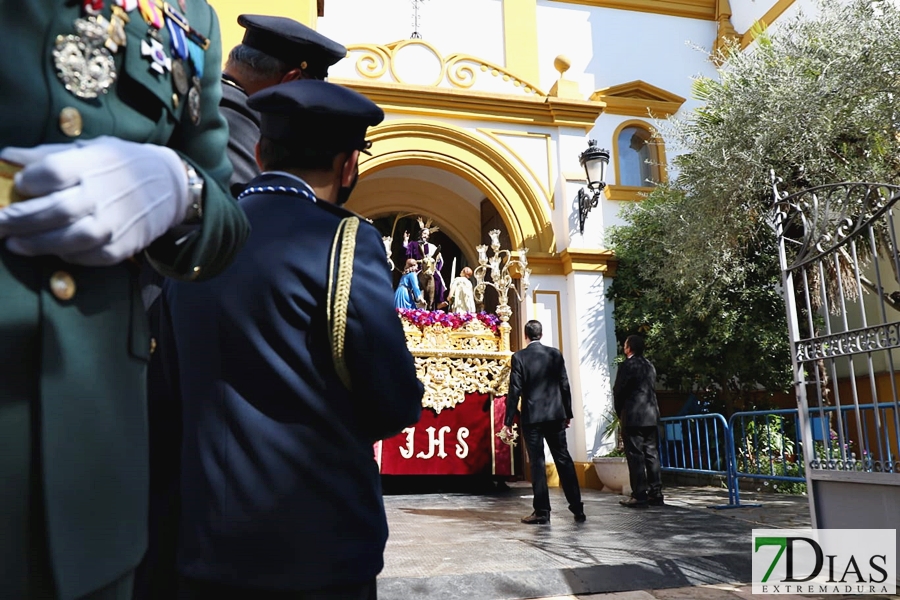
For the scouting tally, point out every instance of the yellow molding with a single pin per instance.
(589, 261)
(520, 37)
(639, 99)
(725, 31)
(690, 9)
(574, 261)
(767, 19)
(481, 106)
(398, 143)
(626, 192)
(374, 61)
(558, 301)
(495, 134)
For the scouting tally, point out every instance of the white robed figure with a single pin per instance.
(461, 295)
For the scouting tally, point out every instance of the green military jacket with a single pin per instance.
(74, 343)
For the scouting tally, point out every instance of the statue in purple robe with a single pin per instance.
(419, 249)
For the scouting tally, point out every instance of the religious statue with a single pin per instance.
(461, 294)
(420, 249)
(408, 294)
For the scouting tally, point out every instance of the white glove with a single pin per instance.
(95, 202)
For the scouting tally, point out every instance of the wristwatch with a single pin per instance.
(196, 184)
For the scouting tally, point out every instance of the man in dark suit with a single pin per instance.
(538, 377)
(635, 403)
(122, 157)
(290, 365)
(274, 50)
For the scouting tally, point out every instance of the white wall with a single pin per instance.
(459, 26)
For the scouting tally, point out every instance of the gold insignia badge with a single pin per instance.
(8, 193)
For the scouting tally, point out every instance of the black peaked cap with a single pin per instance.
(291, 42)
(315, 115)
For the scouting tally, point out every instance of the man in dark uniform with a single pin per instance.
(274, 50)
(634, 394)
(538, 376)
(111, 130)
(290, 365)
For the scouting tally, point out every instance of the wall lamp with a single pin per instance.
(594, 160)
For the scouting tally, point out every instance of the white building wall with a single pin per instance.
(459, 26)
(608, 47)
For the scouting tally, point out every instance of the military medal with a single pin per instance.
(151, 13)
(159, 60)
(115, 33)
(83, 64)
(193, 101)
(180, 77)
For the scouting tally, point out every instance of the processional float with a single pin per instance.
(463, 361)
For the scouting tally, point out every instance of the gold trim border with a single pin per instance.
(689, 9)
(574, 261)
(442, 103)
(559, 324)
(495, 134)
(624, 192)
(639, 99)
(767, 19)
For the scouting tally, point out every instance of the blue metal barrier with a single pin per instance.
(699, 444)
(767, 444)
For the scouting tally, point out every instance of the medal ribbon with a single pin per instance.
(177, 37)
(92, 7)
(151, 13)
(127, 5)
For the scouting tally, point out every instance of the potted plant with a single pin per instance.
(612, 468)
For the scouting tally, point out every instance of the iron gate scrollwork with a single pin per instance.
(841, 275)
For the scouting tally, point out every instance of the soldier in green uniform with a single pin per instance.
(112, 152)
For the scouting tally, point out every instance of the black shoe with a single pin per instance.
(633, 502)
(536, 519)
(656, 500)
(580, 517)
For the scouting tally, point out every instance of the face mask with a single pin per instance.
(344, 192)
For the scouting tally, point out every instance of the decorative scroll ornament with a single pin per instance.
(448, 379)
(474, 336)
(416, 62)
(454, 362)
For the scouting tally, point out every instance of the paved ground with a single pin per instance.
(469, 545)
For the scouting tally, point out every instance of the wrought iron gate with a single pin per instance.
(841, 276)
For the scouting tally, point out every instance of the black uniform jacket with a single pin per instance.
(538, 376)
(279, 485)
(243, 128)
(633, 391)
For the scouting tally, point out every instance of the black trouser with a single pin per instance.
(554, 432)
(194, 589)
(642, 453)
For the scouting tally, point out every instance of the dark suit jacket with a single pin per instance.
(243, 134)
(538, 376)
(73, 410)
(279, 485)
(634, 395)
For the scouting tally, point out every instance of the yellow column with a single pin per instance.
(304, 11)
(520, 39)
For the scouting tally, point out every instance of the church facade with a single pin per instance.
(489, 104)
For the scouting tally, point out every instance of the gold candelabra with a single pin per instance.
(498, 267)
